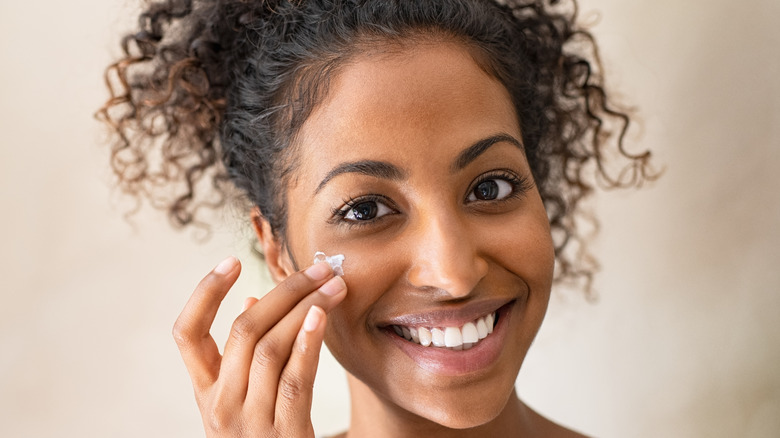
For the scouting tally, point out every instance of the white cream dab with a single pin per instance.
(334, 261)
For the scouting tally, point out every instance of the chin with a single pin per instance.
(451, 402)
(465, 413)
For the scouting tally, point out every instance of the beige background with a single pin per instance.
(684, 342)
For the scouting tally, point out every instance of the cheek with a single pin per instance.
(522, 244)
(368, 273)
(534, 257)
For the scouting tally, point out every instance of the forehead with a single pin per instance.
(422, 104)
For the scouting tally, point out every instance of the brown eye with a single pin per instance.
(490, 190)
(366, 211)
(363, 211)
(486, 191)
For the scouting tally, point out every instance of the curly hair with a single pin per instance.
(209, 95)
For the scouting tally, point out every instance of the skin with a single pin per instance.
(433, 245)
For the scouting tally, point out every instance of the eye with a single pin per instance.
(365, 210)
(491, 189)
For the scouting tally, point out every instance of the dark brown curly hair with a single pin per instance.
(210, 93)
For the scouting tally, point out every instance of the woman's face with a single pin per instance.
(413, 168)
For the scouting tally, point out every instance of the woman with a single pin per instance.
(442, 147)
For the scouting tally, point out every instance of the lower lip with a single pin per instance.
(447, 362)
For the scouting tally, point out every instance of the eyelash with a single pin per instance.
(339, 214)
(520, 185)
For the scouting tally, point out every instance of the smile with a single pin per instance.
(454, 342)
(454, 338)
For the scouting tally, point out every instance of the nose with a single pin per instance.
(445, 256)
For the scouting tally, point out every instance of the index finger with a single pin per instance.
(251, 325)
(191, 330)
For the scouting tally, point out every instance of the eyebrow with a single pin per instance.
(479, 148)
(378, 169)
(385, 170)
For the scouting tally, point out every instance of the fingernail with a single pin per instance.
(226, 266)
(318, 271)
(313, 319)
(248, 301)
(333, 287)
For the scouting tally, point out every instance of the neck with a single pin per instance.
(373, 415)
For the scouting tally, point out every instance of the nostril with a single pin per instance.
(457, 276)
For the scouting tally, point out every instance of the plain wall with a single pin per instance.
(684, 340)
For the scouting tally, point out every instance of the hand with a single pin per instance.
(262, 385)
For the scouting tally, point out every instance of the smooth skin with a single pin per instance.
(425, 243)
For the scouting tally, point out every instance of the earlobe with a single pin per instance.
(275, 257)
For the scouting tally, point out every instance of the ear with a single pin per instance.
(277, 259)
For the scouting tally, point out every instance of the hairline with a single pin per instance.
(366, 45)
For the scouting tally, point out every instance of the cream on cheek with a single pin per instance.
(375, 267)
(378, 258)
(335, 261)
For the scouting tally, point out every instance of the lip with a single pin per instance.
(446, 362)
(450, 317)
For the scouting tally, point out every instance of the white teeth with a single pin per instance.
(482, 329)
(437, 337)
(455, 338)
(470, 334)
(425, 336)
(415, 334)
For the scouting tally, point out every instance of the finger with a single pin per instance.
(273, 351)
(249, 302)
(255, 322)
(191, 330)
(294, 395)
